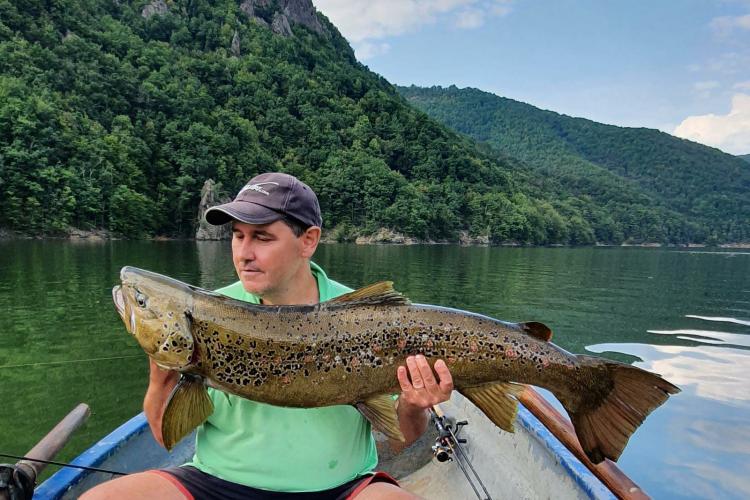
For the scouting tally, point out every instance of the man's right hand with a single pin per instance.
(160, 385)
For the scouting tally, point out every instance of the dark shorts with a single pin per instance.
(196, 484)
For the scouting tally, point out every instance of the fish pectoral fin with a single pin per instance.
(188, 406)
(381, 293)
(381, 412)
(498, 400)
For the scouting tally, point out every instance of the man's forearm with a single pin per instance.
(160, 385)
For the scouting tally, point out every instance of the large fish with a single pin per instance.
(346, 350)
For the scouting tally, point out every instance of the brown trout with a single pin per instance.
(346, 350)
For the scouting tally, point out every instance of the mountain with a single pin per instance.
(744, 157)
(113, 115)
(623, 169)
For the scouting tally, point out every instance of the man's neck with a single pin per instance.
(302, 290)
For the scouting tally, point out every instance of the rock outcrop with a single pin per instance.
(155, 7)
(280, 25)
(289, 12)
(303, 12)
(464, 238)
(236, 44)
(385, 235)
(209, 198)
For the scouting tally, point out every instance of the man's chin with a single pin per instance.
(252, 286)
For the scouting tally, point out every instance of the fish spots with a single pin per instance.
(510, 353)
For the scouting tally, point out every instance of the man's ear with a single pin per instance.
(310, 239)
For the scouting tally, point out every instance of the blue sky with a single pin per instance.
(682, 66)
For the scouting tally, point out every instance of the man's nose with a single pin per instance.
(246, 249)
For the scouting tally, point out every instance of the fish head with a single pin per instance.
(156, 310)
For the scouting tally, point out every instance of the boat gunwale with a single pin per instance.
(67, 478)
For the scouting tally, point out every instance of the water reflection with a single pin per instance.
(720, 319)
(705, 438)
(708, 337)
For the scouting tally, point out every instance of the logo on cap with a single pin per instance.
(257, 187)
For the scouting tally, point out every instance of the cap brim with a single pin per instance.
(243, 211)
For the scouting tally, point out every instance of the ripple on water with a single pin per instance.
(708, 337)
(721, 319)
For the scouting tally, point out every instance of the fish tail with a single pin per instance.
(622, 397)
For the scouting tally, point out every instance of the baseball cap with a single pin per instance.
(266, 198)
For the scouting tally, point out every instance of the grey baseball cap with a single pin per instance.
(268, 197)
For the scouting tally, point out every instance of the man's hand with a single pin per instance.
(420, 390)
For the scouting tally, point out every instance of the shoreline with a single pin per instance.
(381, 238)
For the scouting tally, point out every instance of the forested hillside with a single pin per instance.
(745, 157)
(623, 169)
(114, 113)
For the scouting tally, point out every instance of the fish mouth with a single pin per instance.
(119, 300)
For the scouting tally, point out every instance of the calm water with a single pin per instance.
(684, 314)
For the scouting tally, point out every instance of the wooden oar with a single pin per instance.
(607, 472)
(49, 445)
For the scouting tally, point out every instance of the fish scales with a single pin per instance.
(346, 350)
(273, 357)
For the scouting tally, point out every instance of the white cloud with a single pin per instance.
(367, 50)
(470, 18)
(742, 85)
(703, 86)
(360, 20)
(730, 132)
(725, 25)
(501, 8)
(728, 63)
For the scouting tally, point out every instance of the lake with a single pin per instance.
(682, 313)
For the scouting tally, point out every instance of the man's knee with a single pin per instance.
(382, 490)
(141, 485)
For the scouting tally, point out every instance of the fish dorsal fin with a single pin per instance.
(537, 330)
(381, 293)
(380, 410)
(497, 400)
(188, 406)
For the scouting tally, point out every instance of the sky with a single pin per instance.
(681, 66)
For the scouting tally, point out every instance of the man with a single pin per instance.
(252, 450)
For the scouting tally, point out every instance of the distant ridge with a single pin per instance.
(744, 157)
(114, 114)
(609, 164)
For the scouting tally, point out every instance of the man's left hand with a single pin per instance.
(419, 387)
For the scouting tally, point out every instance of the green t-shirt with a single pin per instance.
(284, 449)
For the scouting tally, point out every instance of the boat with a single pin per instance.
(530, 463)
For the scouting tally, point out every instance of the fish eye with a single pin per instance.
(140, 299)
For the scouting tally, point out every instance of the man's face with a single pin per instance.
(266, 256)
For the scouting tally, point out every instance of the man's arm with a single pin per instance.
(160, 385)
(420, 390)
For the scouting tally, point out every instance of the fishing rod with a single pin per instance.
(63, 464)
(448, 447)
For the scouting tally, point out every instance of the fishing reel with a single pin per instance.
(447, 448)
(15, 483)
(445, 442)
